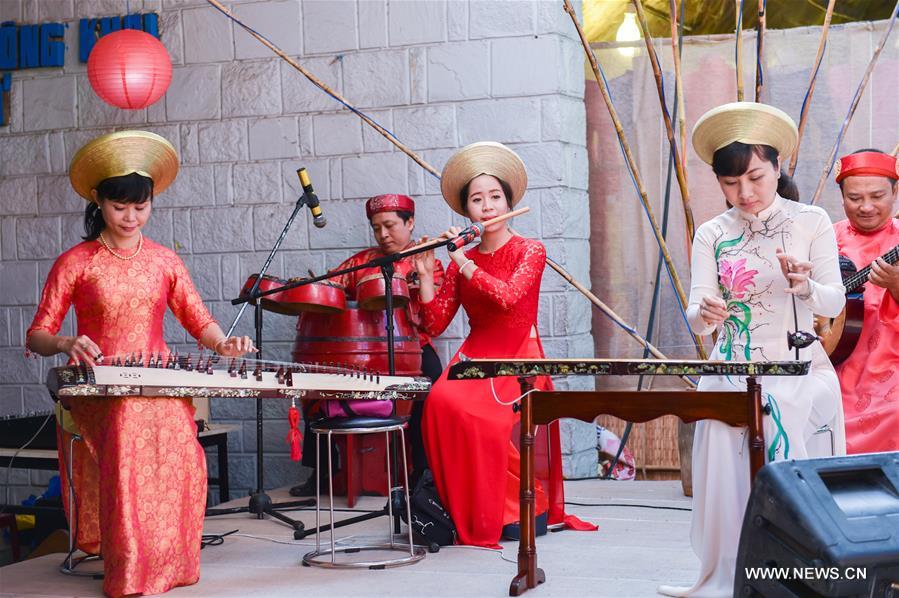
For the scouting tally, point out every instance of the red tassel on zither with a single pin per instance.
(294, 437)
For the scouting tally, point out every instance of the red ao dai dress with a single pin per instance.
(139, 474)
(467, 432)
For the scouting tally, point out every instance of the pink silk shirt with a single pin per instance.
(870, 377)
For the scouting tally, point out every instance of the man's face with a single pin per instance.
(869, 201)
(391, 233)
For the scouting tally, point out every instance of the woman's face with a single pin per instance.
(486, 200)
(754, 190)
(124, 220)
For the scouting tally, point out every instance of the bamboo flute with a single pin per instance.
(678, 83)
(678, 286)
(485, 224)
(418, 160)
(811, 83)
(828, 164)
(608, 311)
(669, 129)
(739, 42)
(759, 51)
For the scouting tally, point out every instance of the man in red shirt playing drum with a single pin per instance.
(392, 219)
(869, 377)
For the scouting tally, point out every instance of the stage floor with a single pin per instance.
(634, 551)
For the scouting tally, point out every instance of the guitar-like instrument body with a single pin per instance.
(840, 335)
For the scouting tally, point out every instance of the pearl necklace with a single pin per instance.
(140, 245)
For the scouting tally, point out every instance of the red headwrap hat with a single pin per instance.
(389, 203)
(867, 164)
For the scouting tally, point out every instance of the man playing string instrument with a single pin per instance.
(869, 377)
(392, 219)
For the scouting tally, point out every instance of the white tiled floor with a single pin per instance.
(634, 550)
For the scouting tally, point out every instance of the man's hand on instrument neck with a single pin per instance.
(885, 276)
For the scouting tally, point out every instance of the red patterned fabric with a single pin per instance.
(867, 164)
(403, 267)
(869, 378)
(139, 474)
(389, 203)
(468, 434)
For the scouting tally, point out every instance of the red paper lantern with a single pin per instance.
(129, 69)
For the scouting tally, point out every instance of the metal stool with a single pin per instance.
(69, 564)
(349, 426)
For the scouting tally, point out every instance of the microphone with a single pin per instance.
(311, 199)
(466, 236)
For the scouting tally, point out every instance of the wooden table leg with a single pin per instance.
(756, 428)
(529, 575)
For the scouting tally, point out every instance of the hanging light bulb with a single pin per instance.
(629, 31)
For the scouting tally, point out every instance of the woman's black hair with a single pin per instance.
(507, 191)
(131, 188)
(404, 215)
(733, 160)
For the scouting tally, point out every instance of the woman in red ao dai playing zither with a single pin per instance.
(139, 475)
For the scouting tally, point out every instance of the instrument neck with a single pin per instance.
(852, 283)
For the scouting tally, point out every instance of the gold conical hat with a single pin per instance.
(747, 122)
(483, 157)
(120, 154)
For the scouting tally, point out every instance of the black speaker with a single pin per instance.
(822, 527)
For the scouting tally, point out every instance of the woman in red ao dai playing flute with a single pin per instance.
(139, 475)
(468, 425)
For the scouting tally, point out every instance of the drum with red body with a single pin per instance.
(371, 291)
(357, 337)
(320, 297)
(268, 283)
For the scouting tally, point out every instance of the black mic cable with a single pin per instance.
(318, 218)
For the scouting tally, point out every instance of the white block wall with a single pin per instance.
(438, 73)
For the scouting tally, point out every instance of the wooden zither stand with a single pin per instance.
(736, 408)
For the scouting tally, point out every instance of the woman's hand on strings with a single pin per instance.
(234, 346)
(713, 311)
(797, 274)
(81, 349)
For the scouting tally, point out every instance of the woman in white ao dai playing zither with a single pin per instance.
(747, 265)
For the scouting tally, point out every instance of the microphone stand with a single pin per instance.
(387, 266)
(260, 503)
